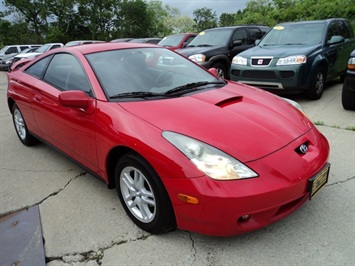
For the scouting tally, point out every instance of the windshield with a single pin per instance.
(43, 48)
(3, 49)
(216, 37)
(172, 40)
(154, 71)
(294, 34)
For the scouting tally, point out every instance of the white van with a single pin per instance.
(15, 49)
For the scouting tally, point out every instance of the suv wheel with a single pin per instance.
(348, 97)
(315, 91)
(221, 70)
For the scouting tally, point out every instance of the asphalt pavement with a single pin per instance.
(83, 222)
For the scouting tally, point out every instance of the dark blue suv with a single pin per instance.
(297, 57)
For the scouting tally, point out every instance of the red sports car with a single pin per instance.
(183, 148)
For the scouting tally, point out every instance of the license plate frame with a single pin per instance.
(318, 181)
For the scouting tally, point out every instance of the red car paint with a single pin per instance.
(259, 129)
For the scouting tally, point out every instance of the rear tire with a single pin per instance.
(21, 129)
(317, 85)
(143, 195)
(347, 97)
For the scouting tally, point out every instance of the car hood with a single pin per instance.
(244, 122)
(279, 51)
(187, 51)
(27, 55)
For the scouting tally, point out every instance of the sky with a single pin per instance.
(187, 7)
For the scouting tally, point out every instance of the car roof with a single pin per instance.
(105, 46)
(238, 26)
(311, 21)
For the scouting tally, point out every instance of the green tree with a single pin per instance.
(34, 12)
(204, 18)
(133, 20)
(226, 19)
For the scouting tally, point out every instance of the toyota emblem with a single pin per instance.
(303, 148)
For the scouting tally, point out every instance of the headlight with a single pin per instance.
(351, 63)
(8, 62)
(238, 60)
(211, 161)
(292, 60)
(197, 58)
(294, 104)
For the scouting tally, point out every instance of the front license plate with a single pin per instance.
(318, 181)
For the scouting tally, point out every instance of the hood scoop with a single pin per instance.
(229, 101)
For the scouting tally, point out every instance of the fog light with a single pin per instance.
(244, 218)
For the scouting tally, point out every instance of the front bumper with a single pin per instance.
(280, 189)
(287, 79)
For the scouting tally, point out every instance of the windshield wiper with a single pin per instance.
(193, 86)
(136, 94)
(204, 45)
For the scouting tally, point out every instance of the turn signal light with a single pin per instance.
(188, 199)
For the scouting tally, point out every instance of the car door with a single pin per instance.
(240, 35)
(71, 130)
(336, 53)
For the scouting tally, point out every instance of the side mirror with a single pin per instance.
(336, 39)
(213, 71)
(236, 43)
(257, 42)
(76, 99)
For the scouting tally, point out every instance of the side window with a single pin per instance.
(342, 30)
(240, 34)
(66, 73)
(189, 39)
(23, 47)
(55, 46)
(38, 68)
(254, 34)
(11, 50)
(332, 31)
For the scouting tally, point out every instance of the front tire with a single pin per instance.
(21, 129)
(317, 86)
(143, 195)
(347, 97)
(221, 70)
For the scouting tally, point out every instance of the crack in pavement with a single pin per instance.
(92, 255)
(40, 202)
(193, 248)
(340, 182)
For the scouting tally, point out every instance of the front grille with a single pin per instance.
(260, 61)
(259, 74)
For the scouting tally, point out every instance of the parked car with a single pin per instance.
(7, 61)
(80, 42)
(177, 41)
(122, 40)
(217, 47)
(153, 131)
(297, 57)
(146, 40)
(10, 50)
(46, 47)
(348, 93)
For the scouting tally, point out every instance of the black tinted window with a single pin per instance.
(254, 34)
(38, 68)
(11, 50)
(240, 34)
(66, 73)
